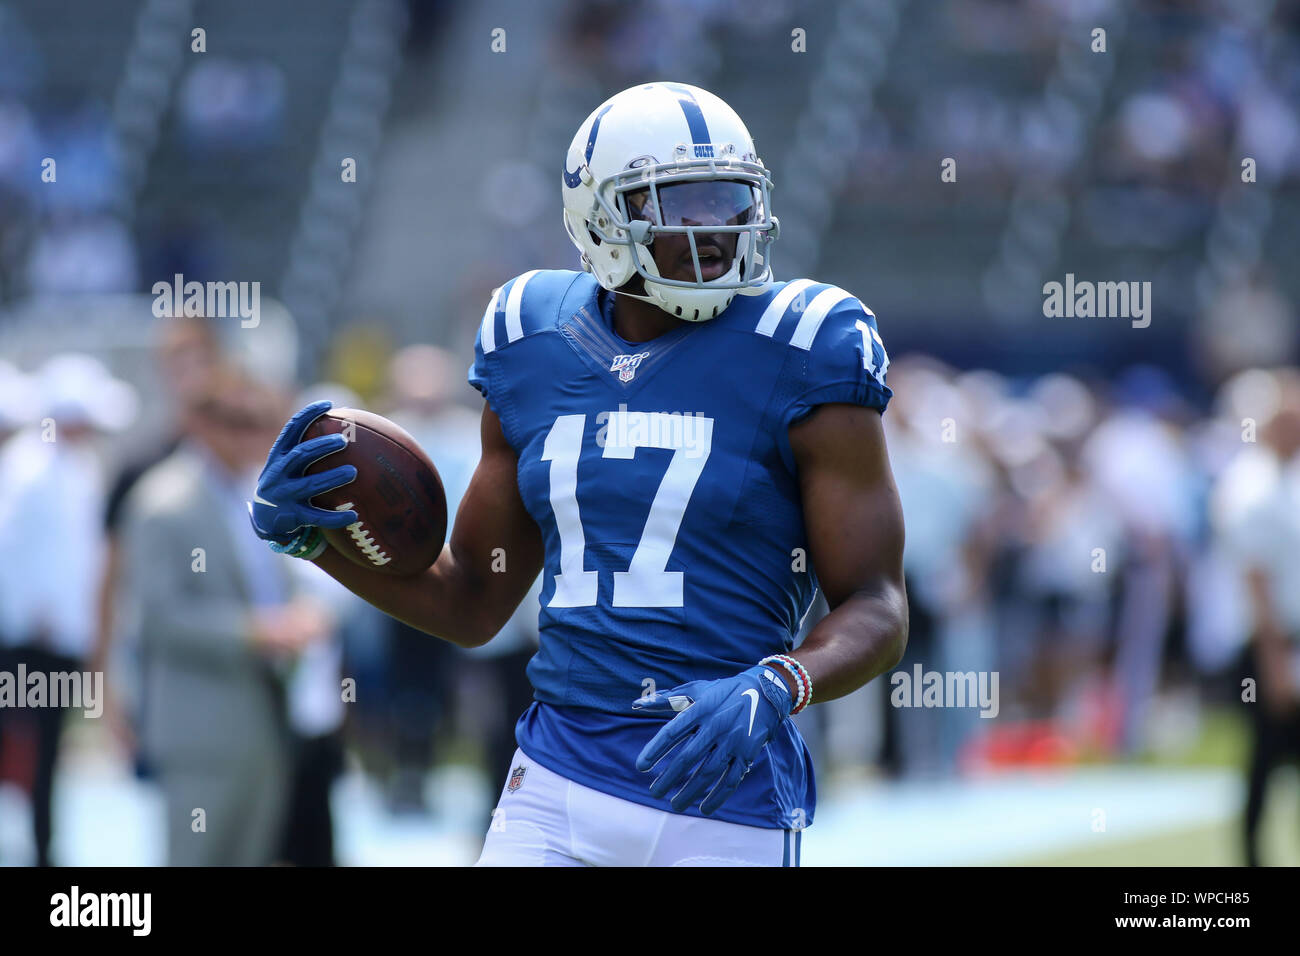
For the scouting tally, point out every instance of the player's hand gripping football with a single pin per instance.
(282, 504)
(720, 728)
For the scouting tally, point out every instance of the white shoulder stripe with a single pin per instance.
(812, 317)
(488, 333)
(776, 308)
(515, 325)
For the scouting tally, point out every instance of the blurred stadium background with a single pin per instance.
(1021, 443)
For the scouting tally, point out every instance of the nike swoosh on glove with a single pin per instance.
(282, 503)
(720, 728)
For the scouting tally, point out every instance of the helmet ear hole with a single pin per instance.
(594, 238)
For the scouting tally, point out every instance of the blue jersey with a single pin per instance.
(661, 476)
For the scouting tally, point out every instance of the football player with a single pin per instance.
(686, 449)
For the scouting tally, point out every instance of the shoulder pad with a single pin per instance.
(836, 335)
(528, 303)
(796, 313)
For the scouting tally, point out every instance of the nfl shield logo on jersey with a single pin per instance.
(626, 365)
(516, 778)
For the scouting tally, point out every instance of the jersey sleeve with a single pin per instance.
(520, 310)
(838, 358)
(526, 304)
(480, 372)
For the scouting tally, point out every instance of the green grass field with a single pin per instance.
(1223, 741)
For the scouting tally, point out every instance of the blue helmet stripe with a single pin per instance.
(572, 179)
(694, 115)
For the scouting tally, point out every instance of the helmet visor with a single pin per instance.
(699, 203)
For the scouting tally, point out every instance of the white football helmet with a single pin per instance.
(663, 158)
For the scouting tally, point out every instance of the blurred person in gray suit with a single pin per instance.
(188, 353)
(221, 620)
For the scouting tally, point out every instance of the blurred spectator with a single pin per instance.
(231, 106)
(315, 702)
(1248, 324)
(1074, 539)
(82, 254)
(88, 163)
(943, 482)
(16, 401)
(1267, 539)
(222, 621)
(51, 551)
(315, 710)
(422, 669)
(1139, 446)
(187, 355)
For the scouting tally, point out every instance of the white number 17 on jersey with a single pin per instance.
(647, 582)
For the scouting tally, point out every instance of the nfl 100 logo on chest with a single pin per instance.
(626, 365)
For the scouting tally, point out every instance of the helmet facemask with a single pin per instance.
(706, 200)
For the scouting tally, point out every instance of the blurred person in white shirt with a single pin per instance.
(1244, 471)
(1266, 540)
(1073, 541)
(1138, 458)
(52, 549)
(944, 483)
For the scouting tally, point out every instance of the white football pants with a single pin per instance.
(549, 820)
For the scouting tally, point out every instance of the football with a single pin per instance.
(398, 497)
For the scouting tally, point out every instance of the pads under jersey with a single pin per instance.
(662, 478)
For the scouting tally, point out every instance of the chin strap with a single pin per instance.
(633, 295)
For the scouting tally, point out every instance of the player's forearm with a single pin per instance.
(864, 637)
(444, 600)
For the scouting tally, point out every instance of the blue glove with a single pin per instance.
(720, 728)
(281, 505)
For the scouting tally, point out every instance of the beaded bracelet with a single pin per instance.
(800, 691)
(308, 544)
(807, 684)
(806, 680)
(802, 680)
